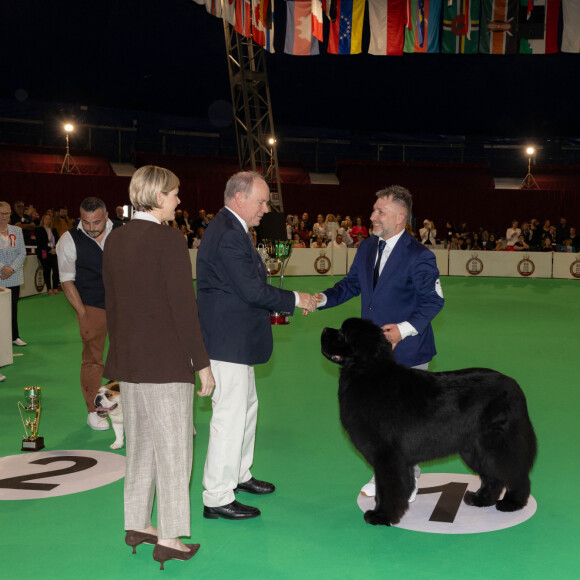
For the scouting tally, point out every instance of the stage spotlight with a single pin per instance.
(68, 165)
(529, 182)
(271, 141)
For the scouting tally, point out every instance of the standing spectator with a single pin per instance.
(536, 238)
(319, 228)
(562, 231)
(61, 222)
(331, 226)
(202, 220)
(306, 220)
(23, 221)
(428, 233)
(80, 259)
(512, 234)
(197, 239)
(527, 233)
(46, 239)
(450, 229)
(344, 231)
(155, 348)
(303, 232)
(120, 218)
(359, 228)
(490, 244)
(12, 256)
(298, 241)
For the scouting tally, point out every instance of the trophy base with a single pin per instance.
(279, 318)
(33, 444)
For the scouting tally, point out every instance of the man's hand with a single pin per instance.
(307, 302)
(392, 333)
(207, 382)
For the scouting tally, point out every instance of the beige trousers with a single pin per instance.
(158, 421)
(232, 432)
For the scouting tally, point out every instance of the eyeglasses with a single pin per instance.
(4, 213)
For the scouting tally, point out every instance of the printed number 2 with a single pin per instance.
(22, 481)
(451, 496)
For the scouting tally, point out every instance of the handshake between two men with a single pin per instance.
(308, 302)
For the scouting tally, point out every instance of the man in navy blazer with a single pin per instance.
(398, 281)
(234, 300)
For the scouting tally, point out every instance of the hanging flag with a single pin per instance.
(498, 27)
(229, 11)
(387, 22)
(299, 39)
(213, 7)
(243, 23)
(345, 36)
(460, 27)
(425, 25)
(317, 19)
(329, 8)
(571, 32)
(538, 26)
(263, 23)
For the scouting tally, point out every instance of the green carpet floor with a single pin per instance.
(312, 527)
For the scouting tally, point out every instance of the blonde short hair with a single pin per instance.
(147, 182)
(6, 205)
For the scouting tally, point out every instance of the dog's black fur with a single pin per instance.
(398, 417)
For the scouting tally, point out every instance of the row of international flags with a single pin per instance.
(409, 26)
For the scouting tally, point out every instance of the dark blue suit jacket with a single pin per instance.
(407, 290)
(233, 296)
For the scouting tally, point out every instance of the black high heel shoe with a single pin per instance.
(162, 553)
(134, 538)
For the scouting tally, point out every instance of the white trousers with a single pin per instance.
(232, 432)
(158, 420)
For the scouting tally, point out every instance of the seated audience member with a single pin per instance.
(46, 238)
(499, 246)
(527, 233)
(454, 243)
(318, 242)
(490, 244)
(575, 240)
(337, 242)
(512, 233)
(553, 234)
(197, 239)
(298, 241)
(428, 233)
(306, 220)
(359, 228)
(483, 234)
(463, 231)
(202, 220)
(289, 226)
(303, 231)
(344, 231)
(475, 242)
(547, 244)
(319, 228)
(61, 222)
(566, 246)
(187, 235)
(521, 244)
(359, 239)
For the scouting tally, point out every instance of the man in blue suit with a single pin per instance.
(234, 300)
(398, 281)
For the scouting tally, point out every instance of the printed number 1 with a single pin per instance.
(448, 505)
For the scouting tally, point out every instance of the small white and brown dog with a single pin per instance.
(108, 402)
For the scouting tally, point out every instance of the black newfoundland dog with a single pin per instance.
(398, 417)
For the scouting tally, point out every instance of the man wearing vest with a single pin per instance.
(80, 260)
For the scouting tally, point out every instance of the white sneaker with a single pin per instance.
(19, 342)
(370, 489)
(2, 377)
(97, 423)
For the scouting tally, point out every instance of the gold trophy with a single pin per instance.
(275, 255)
(31, 442)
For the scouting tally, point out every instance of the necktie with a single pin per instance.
(378, 262)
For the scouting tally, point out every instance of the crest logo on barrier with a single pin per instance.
(526, 267)
(474, 265)
(39, 279)
(322, 264)
(575, 268)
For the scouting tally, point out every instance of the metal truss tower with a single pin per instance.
(253, 110)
